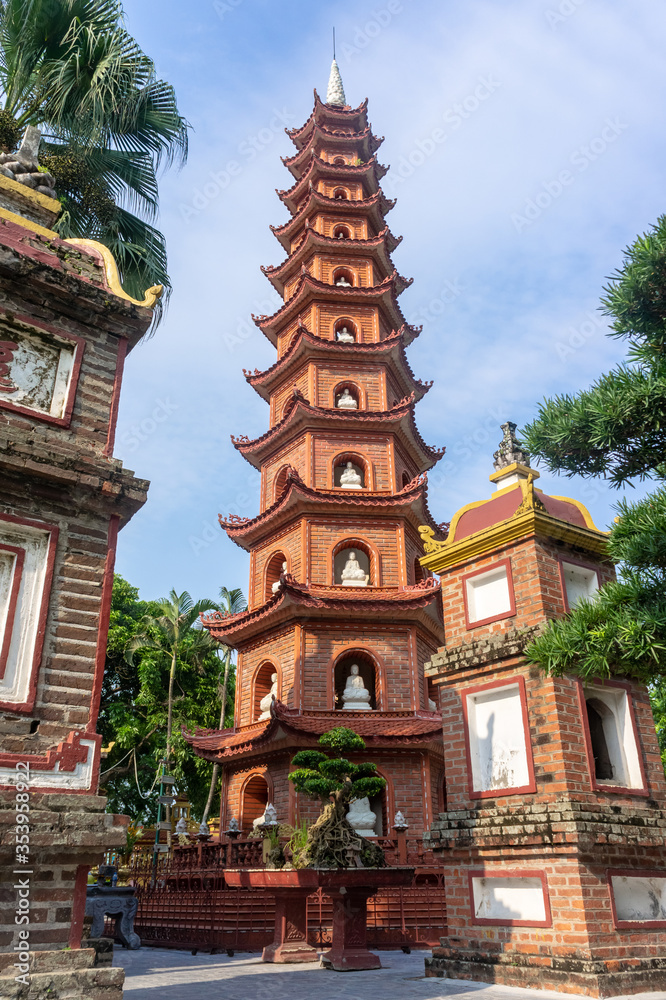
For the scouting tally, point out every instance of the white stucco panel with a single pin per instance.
(508, 899)
(8, 562)
(39, 371)
(639, 898)
(15, 685)
(497, 739)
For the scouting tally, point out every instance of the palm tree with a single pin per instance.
(70, 68)
(172, 632)
(231, 603)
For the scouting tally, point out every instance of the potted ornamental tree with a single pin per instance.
(348, 867)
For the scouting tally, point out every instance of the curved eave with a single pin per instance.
(375, 208)
(417, 728)
(293, 600)
(384, 295)
(370, 173)
(305, 345)
(441, 556)
(376, 247)
(321, 112)
(297, 498)
(321, 137)
(303, 415)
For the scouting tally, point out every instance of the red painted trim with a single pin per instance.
(633, 925)
(45, 763)
(596, 785)
(573, 562)
(115, 397)
(510, 873)
(512, 598)
(79, 345)
(518, 680)
(103, 621)
(78, 905)
(13, 601)
(53, 530)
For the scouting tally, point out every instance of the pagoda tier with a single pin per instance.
(365, 215)
(316, 245)
(332, 140)
(305, 347)
(298, 500)
(335, 577)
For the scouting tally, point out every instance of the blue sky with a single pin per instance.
(527, 149)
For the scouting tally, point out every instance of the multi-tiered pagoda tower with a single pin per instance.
(335, 578)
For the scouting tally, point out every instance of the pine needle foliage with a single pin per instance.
(617, 429)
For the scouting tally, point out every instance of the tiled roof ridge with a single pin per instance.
(320, 106)
(351, 202)
(344, 169)
(366, 133)
(333, 241)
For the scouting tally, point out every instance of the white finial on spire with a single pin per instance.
(336, 92)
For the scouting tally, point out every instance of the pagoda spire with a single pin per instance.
(335, 93)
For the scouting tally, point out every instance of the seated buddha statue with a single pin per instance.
(353, 575)
(350, 478)
(362, 818)
(346, 401)
(355, 697)
(265, 703)
(344, 336)
(276, 586)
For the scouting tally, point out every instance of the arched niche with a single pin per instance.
(255, 796)
(339, 161)
(344, 277)
(342, 554)
(341, 194)
(433, 696)
(262, 686)
(367, 671)
(343, 392)
(345, 331)
(342, 232)
(358, 465)
(280, 482)
(405, 480)
(274, 568)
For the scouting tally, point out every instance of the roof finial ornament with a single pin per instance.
(510, 449)
(335, 93)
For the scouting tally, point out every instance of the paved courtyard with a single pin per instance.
(163, 974)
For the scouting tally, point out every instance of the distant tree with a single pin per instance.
(617, 429)
(135, 698)
(71, 68)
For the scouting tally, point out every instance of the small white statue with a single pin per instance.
(355, 697)
(233, 825)
(181, 831)
(432, 707)
(399, 821)
(266, 701)
(353, 575)
(269, 816)
(342, 282)
(344, 336)
(346, 401)
(350, 478)
(276, 586)
(362, 818)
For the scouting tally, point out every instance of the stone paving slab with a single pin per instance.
(166, 974)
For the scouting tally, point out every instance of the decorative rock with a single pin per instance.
(265, 703)
(350, 478)
(355, 696)
(29, 149)
(352, 574)
(362, 818)
(510, 449)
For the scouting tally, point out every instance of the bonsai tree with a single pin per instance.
(330, 777)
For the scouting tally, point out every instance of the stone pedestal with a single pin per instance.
(349, 949)
(118, 902)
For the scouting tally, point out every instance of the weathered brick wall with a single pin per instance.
(279, 647)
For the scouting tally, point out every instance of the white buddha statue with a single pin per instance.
(265, 703)
(276, 586)
(344, 336)
(350, 478)
(355, 697)
(353, 575)
(342, 282)
(362, 818)
(432, 707)
(346, 401)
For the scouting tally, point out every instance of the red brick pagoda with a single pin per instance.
(341, 615)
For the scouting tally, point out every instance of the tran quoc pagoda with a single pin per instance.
(341, 616)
